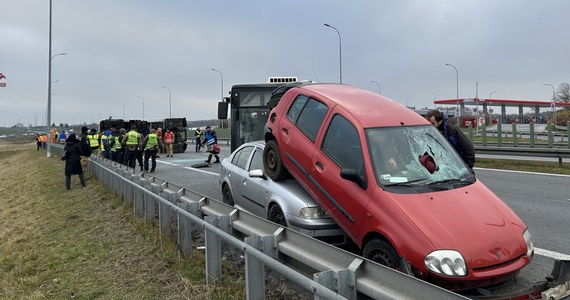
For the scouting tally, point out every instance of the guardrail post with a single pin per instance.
(139, 198)
(515, 138)
(484, 134)
(342, 281)
(255, 269)
(568, 133)
(213, 252)
(470, 131)
(531, 129)
(150, 204)
(184, 231)
(550, 135)
(129, 189)
(499, 134)
(165, 216)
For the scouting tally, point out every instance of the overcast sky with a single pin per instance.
(120, 50)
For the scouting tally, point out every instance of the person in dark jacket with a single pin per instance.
(72, 157)
(454, 135)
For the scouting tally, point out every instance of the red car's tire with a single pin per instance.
(272, 162)
(382, 252)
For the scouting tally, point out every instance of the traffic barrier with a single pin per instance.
(329, 272)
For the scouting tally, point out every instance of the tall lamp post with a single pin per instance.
(378, 84)
(169, 101)
(142, 106)
(222, 88)
(457, 90)
(553, 103)
(408, 102)
(339, 49)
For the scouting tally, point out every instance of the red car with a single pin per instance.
(395, 185)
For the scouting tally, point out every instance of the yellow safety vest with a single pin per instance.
(117, 144)
(103, 141)
(152, 141)
(93, 140)
(133, 138)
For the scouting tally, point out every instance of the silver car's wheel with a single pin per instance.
(276, 215)
(227, 195)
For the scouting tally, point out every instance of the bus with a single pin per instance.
(249, 110)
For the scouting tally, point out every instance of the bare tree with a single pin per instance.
(563, 93)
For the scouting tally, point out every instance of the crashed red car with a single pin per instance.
(395, 185)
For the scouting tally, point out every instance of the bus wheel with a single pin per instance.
(272, 162)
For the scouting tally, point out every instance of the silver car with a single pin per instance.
(245, 186)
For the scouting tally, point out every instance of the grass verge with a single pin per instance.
(84, 243)
(523, 165)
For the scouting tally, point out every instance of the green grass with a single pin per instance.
(523, 165)
(84, 243)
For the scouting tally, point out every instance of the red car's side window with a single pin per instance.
(308, 114)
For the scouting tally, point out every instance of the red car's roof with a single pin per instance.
(370, 109)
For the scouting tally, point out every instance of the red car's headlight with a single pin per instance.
(446, 262)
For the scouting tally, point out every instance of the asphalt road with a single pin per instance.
(541, 201)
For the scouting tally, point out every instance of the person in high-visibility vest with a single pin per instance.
(151, 145)
(132, 143)
(116, 146)
(93, 138)
(168, 141)
(104, 146)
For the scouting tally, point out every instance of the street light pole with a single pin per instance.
(553, 102)
(378, 84)
(408, 102)
(339, 49)
(169, 101)
(222, 88)
(457, 90)
(142, 106)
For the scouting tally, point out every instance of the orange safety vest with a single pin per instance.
(168, 138)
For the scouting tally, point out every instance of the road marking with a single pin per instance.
(524, 172)
(551, 254)
(189, 168)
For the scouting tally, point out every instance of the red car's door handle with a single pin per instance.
(319, 164)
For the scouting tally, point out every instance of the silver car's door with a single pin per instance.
(238, 173)
(254, 188)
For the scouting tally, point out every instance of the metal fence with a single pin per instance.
(334, 273)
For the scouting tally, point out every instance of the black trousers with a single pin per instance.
(150, 153)
(68, 181)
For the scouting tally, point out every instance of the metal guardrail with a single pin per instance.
(336, 274)
(559, 153)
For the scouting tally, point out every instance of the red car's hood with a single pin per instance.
(471, 220)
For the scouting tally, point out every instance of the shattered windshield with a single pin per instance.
(414, 155)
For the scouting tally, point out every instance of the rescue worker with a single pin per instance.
(211, 140)
(116, 147)
(151, 144)
(168, 141)
(104, 145)
(454, 135)
(198, 137)
(160, 147)
(93, 138)
(132, 142)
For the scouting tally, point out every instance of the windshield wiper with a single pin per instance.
(406, 183)
(462, 181)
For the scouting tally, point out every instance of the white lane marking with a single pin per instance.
(524, 172)
(189, 168)
(551, 254)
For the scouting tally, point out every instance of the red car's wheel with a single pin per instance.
(382, 252)
(272, 162)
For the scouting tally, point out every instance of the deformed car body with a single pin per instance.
(395, 185)
(245, 186)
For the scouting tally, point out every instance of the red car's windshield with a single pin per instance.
(414, 155)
